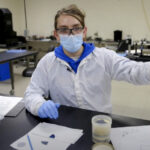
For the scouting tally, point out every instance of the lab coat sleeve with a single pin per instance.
(124, 69)
(38, 87)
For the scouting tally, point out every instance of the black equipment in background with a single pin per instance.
(124, 45)
(8, 37)
(117, 36)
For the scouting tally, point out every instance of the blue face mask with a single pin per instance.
(71, 43)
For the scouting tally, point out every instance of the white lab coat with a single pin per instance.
(90, 87)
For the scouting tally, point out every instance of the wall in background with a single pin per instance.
(17, 9)
(102, 16)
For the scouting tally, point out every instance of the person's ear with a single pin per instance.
(84, 33)
(56, 35)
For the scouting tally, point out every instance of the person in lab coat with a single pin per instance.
(77, 73)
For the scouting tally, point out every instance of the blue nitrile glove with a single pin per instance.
(49, 109)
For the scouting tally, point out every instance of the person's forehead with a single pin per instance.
(66, 20)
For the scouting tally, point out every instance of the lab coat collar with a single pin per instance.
(88, 48)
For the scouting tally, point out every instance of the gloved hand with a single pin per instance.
(49, 109)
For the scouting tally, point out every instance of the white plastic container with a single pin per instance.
(101, 128)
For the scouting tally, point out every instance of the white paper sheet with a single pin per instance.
(7, 103)
(63, 137)
(62, 133)
(131, 138)
(50, 144)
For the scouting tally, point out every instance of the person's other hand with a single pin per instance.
(49, 109)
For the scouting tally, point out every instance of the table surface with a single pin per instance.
(6, 57)
(12, 128)
(10, 56)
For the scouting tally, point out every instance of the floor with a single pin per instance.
(127, 99)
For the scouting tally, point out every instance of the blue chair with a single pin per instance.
(4, 71)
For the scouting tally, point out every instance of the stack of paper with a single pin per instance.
(7, 103)
(131, 138)
(47, 136)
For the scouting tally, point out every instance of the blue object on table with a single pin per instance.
(52, 136)
(4, 71)
(30, 144)
(16, 50)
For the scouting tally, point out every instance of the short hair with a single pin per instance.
(71, 10)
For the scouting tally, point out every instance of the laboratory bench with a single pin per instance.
(10, 57)
(42, 46)
(45, 46)
(12, 128)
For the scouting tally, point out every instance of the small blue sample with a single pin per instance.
(44, 142)
(101, 121)
(21, 144)
(52, 136)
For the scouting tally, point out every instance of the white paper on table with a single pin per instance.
(36, 141)
(7, 103)
(63, 137)
(134, 138)
(61, 133)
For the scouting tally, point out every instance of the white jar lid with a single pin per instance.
(102, 146)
